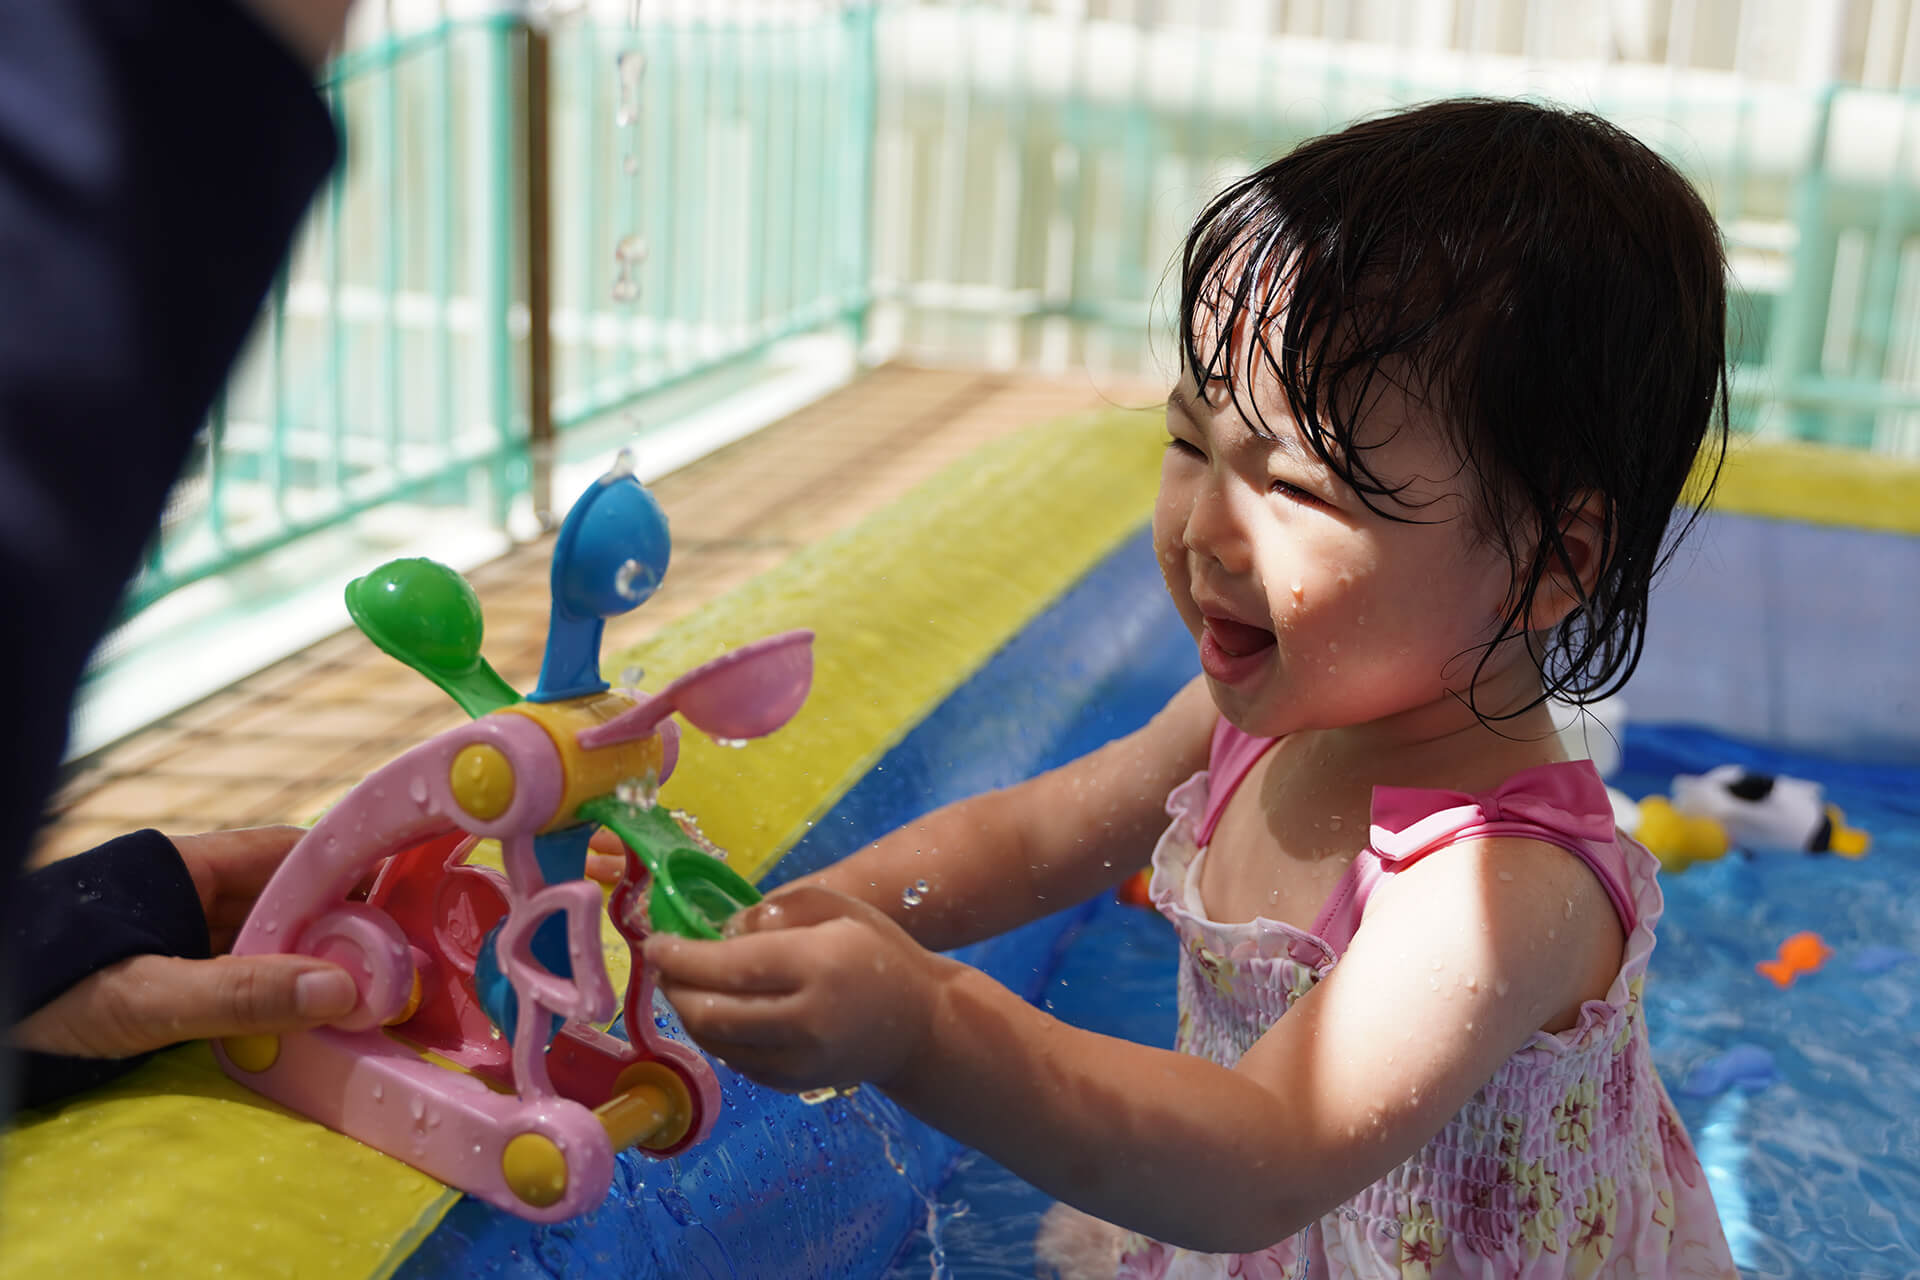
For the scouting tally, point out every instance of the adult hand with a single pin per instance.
(811, 988)
(148, 1001)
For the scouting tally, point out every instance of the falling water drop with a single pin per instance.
(630, 678)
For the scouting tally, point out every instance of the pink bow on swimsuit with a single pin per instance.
(1568, 800)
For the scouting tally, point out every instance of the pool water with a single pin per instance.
(1815, 1174)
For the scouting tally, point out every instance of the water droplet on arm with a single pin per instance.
(914, 894)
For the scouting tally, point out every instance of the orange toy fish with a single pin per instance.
(1802, 953)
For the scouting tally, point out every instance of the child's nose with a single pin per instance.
(1215, 527)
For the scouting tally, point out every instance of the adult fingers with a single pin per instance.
(149, 1001)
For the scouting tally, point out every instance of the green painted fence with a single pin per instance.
(993, 182)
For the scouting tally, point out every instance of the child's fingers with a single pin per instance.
(795, 908)
(739, 1021)
(604, 840)
(760, 964)
(606, 868)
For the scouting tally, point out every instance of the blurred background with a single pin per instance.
(561, 229)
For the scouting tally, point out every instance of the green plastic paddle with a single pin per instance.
(426, 615)
(693, 891)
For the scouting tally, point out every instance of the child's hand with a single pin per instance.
(812, 988)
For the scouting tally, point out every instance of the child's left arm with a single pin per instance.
(1460, 961)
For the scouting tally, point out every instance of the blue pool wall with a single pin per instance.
(1788, 633)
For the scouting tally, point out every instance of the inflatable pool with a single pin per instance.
(1001, 620)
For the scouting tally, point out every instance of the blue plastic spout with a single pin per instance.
(610, 556)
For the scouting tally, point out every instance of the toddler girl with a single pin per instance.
(1446, 374)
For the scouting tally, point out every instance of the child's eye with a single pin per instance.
(1176, 445)
(1293, 492)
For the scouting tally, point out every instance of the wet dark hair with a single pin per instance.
(1541, 280)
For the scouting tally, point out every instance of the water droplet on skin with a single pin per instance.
(1506, 875)
(1333, 646)
(1501, 988)
(417, 790)
(269, 926)
(1298, 588)
(379, 1091)
(1331, 668)
(914, 894)
(1569, 908)
(1333, 823)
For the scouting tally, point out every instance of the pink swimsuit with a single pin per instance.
(1569, 1162)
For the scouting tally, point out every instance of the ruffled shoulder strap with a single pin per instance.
(1561, 804)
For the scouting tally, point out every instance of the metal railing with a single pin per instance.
(531, 229)
(537, 226)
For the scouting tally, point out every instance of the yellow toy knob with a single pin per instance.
(482, 780)
(534, 1169)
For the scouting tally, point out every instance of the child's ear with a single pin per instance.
(1575, 564)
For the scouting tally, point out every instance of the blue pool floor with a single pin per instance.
(1816, 1173)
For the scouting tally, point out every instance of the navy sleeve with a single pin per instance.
(131, 896)
(155, 158)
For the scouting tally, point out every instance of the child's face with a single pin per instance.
(1311, 611)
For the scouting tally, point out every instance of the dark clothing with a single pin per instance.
(155, 158)
(129, 897)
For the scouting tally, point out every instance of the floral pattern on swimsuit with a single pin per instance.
(1569, 1163)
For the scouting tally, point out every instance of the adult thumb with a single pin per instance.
(150, 1001)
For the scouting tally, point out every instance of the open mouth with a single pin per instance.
(1231, 651)
(1238, 639)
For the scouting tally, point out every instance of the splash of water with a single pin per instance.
(639, 793)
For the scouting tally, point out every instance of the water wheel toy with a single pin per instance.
(479, 1051)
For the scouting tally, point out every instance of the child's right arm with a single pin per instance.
(997, 860)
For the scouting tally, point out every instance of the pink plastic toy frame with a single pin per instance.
(358, 1079)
